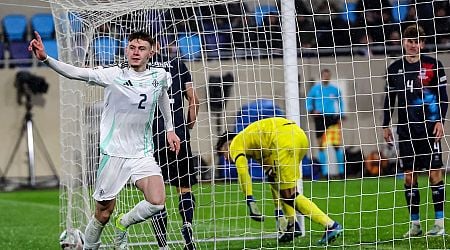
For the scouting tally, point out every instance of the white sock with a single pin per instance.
(439, 222)
(92, 234)
(415, 223)
(330, 224)
(141, 212)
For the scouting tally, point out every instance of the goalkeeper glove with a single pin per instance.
(255, 214)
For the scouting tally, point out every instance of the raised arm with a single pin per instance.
(64, 69)
(245, 180)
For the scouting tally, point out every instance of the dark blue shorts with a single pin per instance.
(420, 154)
(178, 170)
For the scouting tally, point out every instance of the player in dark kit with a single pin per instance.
(418, 83)
(178, 170)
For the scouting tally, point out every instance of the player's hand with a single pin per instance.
(387, 134)
(37, 47)
(174, 141)
(255, 214)
(438, 131)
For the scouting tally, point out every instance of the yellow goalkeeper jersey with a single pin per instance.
(278, 144)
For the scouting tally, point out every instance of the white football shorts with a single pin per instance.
(114, 172)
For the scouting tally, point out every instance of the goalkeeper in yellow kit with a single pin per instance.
(279, 145)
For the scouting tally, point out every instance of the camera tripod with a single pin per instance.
(29, 130)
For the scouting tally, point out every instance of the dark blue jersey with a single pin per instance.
(177, 94)
(420, 91)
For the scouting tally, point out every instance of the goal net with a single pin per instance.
(251, 60)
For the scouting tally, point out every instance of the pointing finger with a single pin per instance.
(38, 37)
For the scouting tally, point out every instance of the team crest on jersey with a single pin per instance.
(426, 73)
(155, 83)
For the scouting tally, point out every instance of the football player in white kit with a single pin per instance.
(132, 91)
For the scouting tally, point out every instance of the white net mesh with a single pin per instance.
(241, 71)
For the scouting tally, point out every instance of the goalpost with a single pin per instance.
(249, 60)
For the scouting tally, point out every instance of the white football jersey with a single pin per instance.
(130, 100)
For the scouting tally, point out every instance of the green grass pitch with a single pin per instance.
(372, 211)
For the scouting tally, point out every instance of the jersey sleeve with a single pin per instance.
(69, 71)
(310, 99)
(237, 154)
(390, 97)
(442, 83)
(97, 76)
(168, 80)
(103, 76)
(164, 103)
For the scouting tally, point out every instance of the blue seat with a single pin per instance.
(43, 23)
(15, 27)
(400, 10)
(350, 14)
(257, 110)
(105, 49)
(19, 55)
(189, 45)
(51, 47)
(263, 10)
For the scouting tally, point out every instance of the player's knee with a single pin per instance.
(435, 176)
(103, 216)
(157, 200)
(409, 179)
(103, 210)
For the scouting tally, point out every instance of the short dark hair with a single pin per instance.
(326, 70)
(142, 35)
(414, 32)
(224, 138)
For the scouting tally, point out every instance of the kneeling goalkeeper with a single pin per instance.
(278, 145)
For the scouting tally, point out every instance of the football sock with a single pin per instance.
(278, 213)
(141, 212)
(186, 207)
(340, 159)
(92, 234)
(438, 201)
(289, 212)
(308, 208)
(159, 223)
(412, 196)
